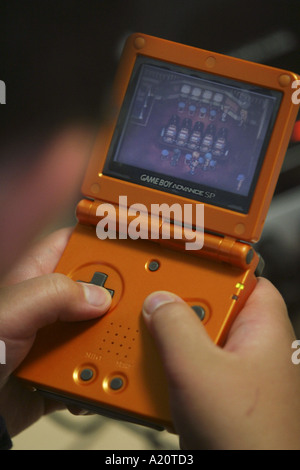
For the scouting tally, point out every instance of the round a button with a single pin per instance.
(153, 265)
(199, 311)
(86, 374)
(116, 383)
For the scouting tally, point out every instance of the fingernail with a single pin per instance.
(157, 299)
(96, 296)
(83, 412)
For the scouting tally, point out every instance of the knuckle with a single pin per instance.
(61, 288)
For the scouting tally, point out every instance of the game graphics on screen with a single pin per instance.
(196, 129)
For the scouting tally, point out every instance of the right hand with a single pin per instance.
(244, 396)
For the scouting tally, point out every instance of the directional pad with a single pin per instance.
(99, 279)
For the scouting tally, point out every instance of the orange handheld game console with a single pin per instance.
(186, 126)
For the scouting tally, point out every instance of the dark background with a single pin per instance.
(58, 59)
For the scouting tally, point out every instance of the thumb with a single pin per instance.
(180, 337)
(192, 363)
(38, 302)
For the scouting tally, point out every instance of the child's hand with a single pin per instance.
(245, 396)
(30, 299)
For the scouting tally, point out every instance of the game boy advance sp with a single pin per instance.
(185, 127)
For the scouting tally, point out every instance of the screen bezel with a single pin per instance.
(242, 226)
(202, 193)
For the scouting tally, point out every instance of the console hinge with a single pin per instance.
(161, 231)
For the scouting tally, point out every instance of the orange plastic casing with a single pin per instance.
(111, 365)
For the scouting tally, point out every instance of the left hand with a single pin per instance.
(32, 297)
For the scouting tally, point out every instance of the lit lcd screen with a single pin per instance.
(193, 134)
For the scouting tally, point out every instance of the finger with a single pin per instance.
(193, 364)
(46, 299)
(180, 337)
(41, 259)
(38, 302)
(264, 319)
(77, 411)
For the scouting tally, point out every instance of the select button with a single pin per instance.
(86, 374)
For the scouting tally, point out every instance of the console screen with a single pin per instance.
(191, 133)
